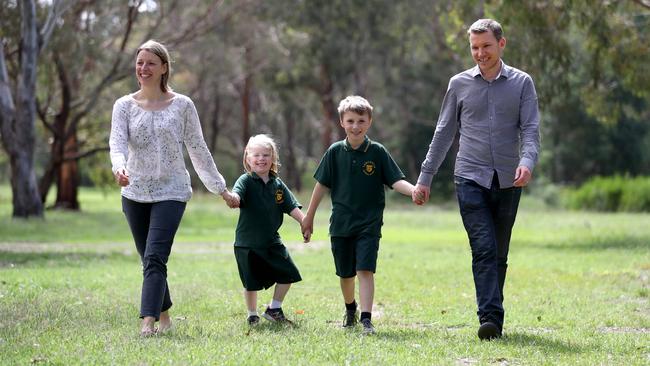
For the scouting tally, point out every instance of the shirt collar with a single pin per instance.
(476, 71)
(255, 176)
(363, 147)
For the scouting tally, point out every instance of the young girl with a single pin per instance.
(261, 257)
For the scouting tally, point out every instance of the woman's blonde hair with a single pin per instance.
(267, 142)
(159, 50)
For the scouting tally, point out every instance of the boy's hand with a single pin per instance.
(306, 236)
(307, 228)
(420, 194)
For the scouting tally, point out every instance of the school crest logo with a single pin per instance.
(279, 196)
(368, 168)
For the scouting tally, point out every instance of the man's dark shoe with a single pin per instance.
(488, 331)
(351, 318)
(253, 320)
(368, 329)
(275, 316)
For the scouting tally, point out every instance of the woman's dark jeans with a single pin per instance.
(153, 226)
(488, 216)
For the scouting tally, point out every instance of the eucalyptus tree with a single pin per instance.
(23, 39)
(93, 58)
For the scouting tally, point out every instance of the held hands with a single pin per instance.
(420, 194)
(307, 228)
(522, 176)
(122, 177)
(232, 199)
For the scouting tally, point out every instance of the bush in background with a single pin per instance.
(612, 194)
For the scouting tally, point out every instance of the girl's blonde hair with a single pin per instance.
(267, 142)
(159, 50)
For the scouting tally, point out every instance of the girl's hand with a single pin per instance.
(232, 199)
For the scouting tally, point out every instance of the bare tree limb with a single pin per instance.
(84, 154)
(58, 7)
(110, 76)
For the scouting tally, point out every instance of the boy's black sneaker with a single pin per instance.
(488, 331)
(351, 318)
(275, 315)
(253, 320)
(368, 329)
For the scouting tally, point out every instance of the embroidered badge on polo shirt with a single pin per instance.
(279, 196)
(368, 168)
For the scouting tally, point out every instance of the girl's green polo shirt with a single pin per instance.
(261, 210)
(356, 179)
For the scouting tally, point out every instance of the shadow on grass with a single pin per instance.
(539, 341)
(519, 339)
(624, 242)
(60, 259)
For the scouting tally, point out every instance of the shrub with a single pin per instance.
(616, 193)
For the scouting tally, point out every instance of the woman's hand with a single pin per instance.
(122, 177)
(232, 199)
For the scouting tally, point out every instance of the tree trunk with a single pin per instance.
(68, 176)
(329, 109)
(245, 96)
(26, 200)
(214, 121)
(17, 121)
(293, 174)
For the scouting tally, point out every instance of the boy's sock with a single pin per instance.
(351, 306)
(275, 304)
(252, 312)
(365, 315)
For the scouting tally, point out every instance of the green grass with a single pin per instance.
(577, 292)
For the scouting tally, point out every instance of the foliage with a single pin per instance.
(615, 193)
(280, 67)
(577, 293)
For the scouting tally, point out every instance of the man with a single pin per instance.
(494, 106)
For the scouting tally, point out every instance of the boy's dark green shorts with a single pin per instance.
(354, 253)
(262, 268)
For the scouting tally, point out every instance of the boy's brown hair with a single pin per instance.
(355, 104)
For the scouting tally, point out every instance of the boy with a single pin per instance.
(355, 171)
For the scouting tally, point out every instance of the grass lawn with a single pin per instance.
(577, 292)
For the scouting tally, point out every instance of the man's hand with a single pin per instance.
(522, 176)
(420, 194)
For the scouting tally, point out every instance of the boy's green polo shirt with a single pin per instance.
(356, 180)
(261, 210)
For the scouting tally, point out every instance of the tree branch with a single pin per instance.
(58, 7)
(84, 154)
(643, 3)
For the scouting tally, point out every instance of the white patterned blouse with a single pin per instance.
(150, 145)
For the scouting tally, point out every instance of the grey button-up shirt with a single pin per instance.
(498, 123)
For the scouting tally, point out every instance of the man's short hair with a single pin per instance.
(485, 25)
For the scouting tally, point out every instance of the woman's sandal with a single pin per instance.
(167, 329)
(146, 333)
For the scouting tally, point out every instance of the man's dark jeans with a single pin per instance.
(154, 226)
(488, 216)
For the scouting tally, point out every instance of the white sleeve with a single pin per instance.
(197, 149)
(118, 141)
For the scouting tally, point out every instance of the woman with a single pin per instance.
(148, 131)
